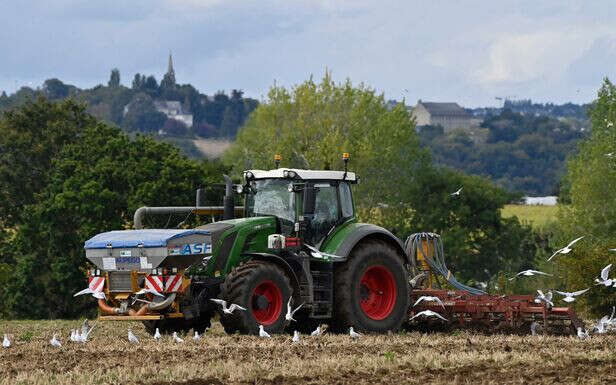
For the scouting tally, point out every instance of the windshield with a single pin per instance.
(271, 197)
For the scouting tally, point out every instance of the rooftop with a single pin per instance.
(443, 108)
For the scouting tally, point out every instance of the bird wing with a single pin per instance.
(440, 316)
(423, 297)
(566, 294)
(579, 292)
(605, 273)
(84, 291)
(297, 308)
(438, 300)
(556, 252)
(573, 241)
(541, 272)
(221, 302)
(541, 294)
(235, 306)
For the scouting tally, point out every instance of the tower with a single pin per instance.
(169, 78)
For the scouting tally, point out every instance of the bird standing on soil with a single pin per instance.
(570, 297)
(529, 273)
(353, 333)
(176, 338)
(295, 336)
(157, 334)
(132, 338)
(429, 298)
(6, 343)
(582, 334)
(54, 341)
(72, 337)
(428, 313)
(290, 312)
(225, 309)
(263, 333)
(317, 332)
(605, 277)
(196, 337)
(533, 328)
(567, 249)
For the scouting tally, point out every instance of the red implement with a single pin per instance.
(495, 312)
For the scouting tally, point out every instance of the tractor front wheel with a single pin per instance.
(264, 290)
(371, 292)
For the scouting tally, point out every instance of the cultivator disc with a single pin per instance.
(490, 313)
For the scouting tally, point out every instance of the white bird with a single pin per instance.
(263, 333)
(456, 193)
(570, 297)
(290, 313)
(54, 341)
(132, 338)
(582, 334)
(567, 249)
(225, 309)
(609, 155)
(196, 337)
(413, 281)
(533, 328)
(72, 337)
(6, 343)
(316, 253)
(157, 334)
(529, 273)
(614, 250)
(429, 298)
(353, 333)
(295, 336)
(148, 291)
(428, 313)
(605, 280)
(317, 332)
(547, 298)
(85, 330)
(604, 322)
(176, 338)
(600, 327)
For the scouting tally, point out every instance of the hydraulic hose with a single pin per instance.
(414, 243)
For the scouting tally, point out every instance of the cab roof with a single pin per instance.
(304, 174)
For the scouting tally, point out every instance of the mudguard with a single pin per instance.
(357, 232)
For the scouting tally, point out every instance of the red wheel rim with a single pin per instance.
(266, 302)
(378, 292)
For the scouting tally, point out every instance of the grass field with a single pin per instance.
(537, 216)
(405, 358)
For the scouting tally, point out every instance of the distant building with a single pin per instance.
(540, 201)
(173, 109)
(449, 115)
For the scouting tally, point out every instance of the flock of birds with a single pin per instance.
(605, 323)
(81, 335)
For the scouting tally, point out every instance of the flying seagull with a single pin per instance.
(567, 249)
(529, 273)
(157, 334)
(614, 250)
(457, 192)
(605, 277)
(428, 313)
(413, 282)
(6, 343)
(176, 338)
(316, 253)
(429, 298)
(353, 333)
(225, 309)
(295, 336)
(54, 341)
(263, 333)
(547, 298)
(132, 338)
(570, 297)
(150, 291)
(290, 312)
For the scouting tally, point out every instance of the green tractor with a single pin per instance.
(298, 243)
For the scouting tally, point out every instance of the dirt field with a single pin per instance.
(406, 358)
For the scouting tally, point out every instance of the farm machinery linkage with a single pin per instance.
(298, 241)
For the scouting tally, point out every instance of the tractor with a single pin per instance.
(296, 241)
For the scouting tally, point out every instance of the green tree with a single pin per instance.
(114, 78)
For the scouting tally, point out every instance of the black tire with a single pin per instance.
(239, 288)
(382, 313)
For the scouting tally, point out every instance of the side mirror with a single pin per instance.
(310, 198)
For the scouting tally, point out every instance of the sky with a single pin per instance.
(470, 52)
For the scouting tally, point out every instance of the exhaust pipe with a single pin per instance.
(228, 200)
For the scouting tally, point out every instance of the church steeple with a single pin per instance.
(169, 78)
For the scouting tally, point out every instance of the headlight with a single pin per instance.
(239, 189)
(249, 175)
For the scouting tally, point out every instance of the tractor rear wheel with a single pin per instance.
(371, 291)
(264, 290)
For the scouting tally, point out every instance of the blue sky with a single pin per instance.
(469, 52)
